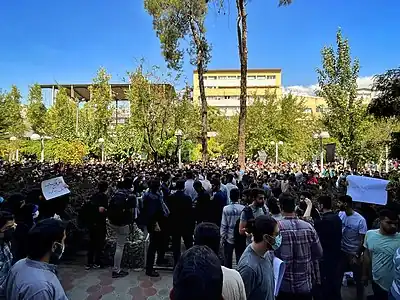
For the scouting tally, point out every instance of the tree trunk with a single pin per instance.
(242, 42)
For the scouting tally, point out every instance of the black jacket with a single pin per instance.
(329, 229)
(181, 212)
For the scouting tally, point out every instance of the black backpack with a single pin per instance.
(118, 208)
(239, 238)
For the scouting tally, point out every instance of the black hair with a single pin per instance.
(154, 184)
(197, 275)
(5, 216)
(273, 206)
(229, 178)
(189, 175)
(234, 195)
(103, 186)
(390, 214)
(207, 234)
(43, 235)
(346, 199)
(288, 202)
(128, 182)
(263, 225)
(180, 184)
(326, 202)
(254, 192)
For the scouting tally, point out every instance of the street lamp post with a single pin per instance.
(178, 135)
(276, 150)
(37, 137)
(322, 135)
(101, 141)
(13, 139)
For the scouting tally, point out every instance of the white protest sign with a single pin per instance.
(53, 188)
(367, 189)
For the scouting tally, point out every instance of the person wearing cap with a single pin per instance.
(255, 265)
(208, 234)
(198, 276)
(34, 278)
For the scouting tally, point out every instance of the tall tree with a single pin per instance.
(60, 119)
(3, 117)
(173, 21)
(337, 80)
(12, 112)
(99, 112)
(36, 110)
(241, 28)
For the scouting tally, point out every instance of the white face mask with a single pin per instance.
(36, 214)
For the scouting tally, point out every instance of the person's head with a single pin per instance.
(197, 275)
(346, 204)
(288, 203)
(189, 175)
(128, 183)
(207, 234)
(305, 195)
(266, 233)
(102, 186)
(229, 178)
(7, 226)
(257, 197)
(198, 186)
(180, 185)
(273, 206)
(325, 202)
(234, 195)
(389, 221)
(46, 240)
(14, 203)
(154, 185)
(215, 184)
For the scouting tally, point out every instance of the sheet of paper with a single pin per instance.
(279, 270)
(367, 189)
(53, 188)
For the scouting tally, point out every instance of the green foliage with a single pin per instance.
(61, 117)
(345, 118)
(36, 111)
(123, 142)
(11, 121)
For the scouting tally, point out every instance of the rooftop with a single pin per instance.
(248, 71)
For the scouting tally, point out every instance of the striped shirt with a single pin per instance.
(230, 215)
(300, 250)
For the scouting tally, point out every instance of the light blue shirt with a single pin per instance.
(353, 227)
(382, 248)
(33, 280)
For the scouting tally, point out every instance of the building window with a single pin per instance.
(222, 77)
(319, 109)
(232, 77)
(262, 77)
(308, 110)
(212, 77)
(271, 77)
(251, 77)
(227, 97)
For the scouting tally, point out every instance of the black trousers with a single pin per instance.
(289, 296)
(97, 237)
(176, 243)
(331, 279)
(228, 254)
(379, 293)
(155, 244)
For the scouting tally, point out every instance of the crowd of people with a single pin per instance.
(232, 223)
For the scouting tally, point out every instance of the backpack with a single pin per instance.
(241, 239)
(117, 208)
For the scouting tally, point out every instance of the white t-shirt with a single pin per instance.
(233, 286)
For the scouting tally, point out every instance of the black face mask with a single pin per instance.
(8, 234)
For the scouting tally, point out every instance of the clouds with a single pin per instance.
(301, 90)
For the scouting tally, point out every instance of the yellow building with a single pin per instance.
(223, 87)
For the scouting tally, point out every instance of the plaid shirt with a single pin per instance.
(300, 250)
(5, 265)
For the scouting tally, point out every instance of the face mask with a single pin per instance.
(58, 250)
(35, 214)
(278, 242)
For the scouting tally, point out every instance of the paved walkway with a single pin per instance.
(80, 284)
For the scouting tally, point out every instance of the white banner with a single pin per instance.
(53, 188)
(367, 189)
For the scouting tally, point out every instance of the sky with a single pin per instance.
(47, 41)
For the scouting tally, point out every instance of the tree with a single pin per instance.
(3, 117)
(99, 113)
(173, 21)
(12, 112)
(60, 119)
(36, 110)
(337, 80)
(387, 102)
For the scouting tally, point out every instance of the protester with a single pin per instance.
(7, 229)
(255, 265)
(181, 219)
(394, 293)
(202, 203)
(354, 229)
(207, 234)
(329, 229)
(229, 186)
(230, 215)
(219, 200)
(189, 189)
(380, 246)
(300, 250)
(198, 276)
(34, 278)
